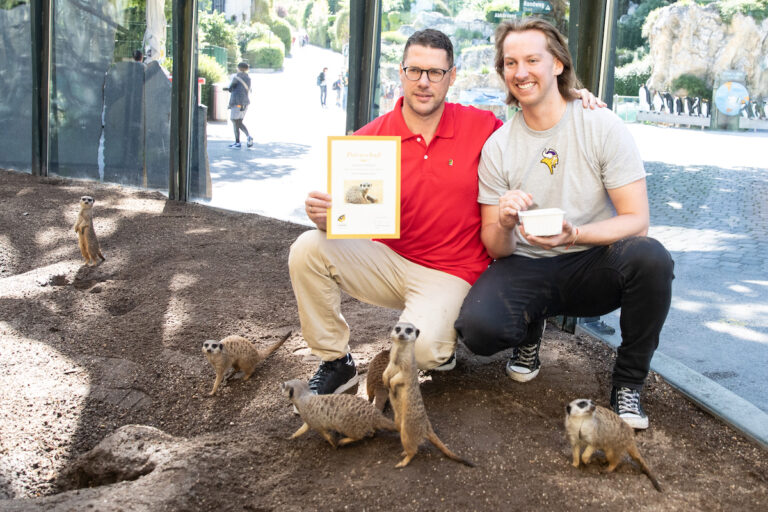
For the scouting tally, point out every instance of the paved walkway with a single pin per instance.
(709, 203)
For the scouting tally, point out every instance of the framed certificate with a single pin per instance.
(364, 184)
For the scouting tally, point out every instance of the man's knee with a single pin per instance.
(649, 258)
(431, 353)
(304, 247)
(484, 333)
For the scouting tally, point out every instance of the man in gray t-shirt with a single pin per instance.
(552, 155)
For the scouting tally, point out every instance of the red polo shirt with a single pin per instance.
(439, 212)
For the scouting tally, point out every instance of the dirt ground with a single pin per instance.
(113, 353)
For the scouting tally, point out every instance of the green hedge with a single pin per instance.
(692, 85)
(262, 55)
(283, 31)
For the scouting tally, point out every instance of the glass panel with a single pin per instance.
(110, 109)
(15, 80)
(470, 24)
(286, 46)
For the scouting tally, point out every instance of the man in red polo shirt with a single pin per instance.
(428, 271)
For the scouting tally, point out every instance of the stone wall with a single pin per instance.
(694, 40)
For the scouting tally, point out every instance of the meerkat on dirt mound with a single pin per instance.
(597, 428)
(349, 415)
(358, 194)
(374, 383)
(402, 379)
(86, 236)
(238, 353)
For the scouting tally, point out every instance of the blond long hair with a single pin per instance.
(556, 45)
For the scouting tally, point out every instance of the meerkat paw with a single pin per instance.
(404, 462)
(301, 431)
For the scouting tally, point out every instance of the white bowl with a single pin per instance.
(543, 222)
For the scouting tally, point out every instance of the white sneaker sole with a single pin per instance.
(347, 385)
(521, 377)
(636, 422)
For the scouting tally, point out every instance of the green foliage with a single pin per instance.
(282, 30)
(492, 9)
(629, 78)
(340, 30)
(263, 55)
(317, 24)
(758, 9)
(692, 85)
(393, 37)
(439, 6)
(394, 19)
(630, 26)
(625, 56)
(391, 54)
(7, 5)
(215, 30)
(246, 33)
(463, 33)
(208, 68)
(307, 13)
(260, 11)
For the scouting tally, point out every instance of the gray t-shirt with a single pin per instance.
(570, 166)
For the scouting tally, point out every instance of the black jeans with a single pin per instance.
(634, 274)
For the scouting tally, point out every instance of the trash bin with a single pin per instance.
(220, 102)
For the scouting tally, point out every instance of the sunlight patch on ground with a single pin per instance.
(139, 205)
(36, 378)
(738, 288)
(177, 312)
(688, 305)
(198, 231)
(682, 239)
(758, 283)
(36, 281)
(738, 331)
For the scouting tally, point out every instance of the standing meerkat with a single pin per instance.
(349, 415)
(402, 379)
(374, 383)
(86, 236)
(358, 194)
(238, 353)
(597, 428)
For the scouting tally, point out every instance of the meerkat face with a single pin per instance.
(294, 388)
(365, 187)
(405, 331)
(86, 201)
(212, 347)
(580, 407)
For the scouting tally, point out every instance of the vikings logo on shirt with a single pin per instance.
(550, 159)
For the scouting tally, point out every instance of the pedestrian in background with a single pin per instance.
(239, 91)
(323, 84)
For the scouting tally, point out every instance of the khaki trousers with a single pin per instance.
(375, 274)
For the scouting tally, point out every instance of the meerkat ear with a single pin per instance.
(568, 409)
(417, 332)
(290, 392)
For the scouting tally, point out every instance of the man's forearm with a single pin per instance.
(498, 241)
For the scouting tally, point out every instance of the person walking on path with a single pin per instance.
(239, 91)
(323, 84)
(337, 86)
(555, 155)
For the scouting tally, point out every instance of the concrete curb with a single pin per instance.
(706, 393)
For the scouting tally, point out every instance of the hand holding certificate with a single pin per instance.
(364, 184)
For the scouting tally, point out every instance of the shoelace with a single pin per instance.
(628, 401)
(527, 355)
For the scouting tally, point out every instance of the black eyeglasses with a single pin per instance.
(434, 75)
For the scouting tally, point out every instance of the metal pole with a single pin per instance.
(364, 51)
(40, 21)
(183, 92)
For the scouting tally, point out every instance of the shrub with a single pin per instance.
(395, 20)
(283, 31)
(340, 30)
(629, 78)
(692, 85)
(439, 6)
(630, 26)
(393, 37)
(758, 9)
(247, 33)
(265, 56)
(208, 68)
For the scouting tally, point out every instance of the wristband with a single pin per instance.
(574, 239)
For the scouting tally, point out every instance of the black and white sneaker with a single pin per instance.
(626, 403)
(334, 376)
(524, 365)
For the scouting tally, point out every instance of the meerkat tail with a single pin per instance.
(432, 437)
(276, 345)
(635, 454)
